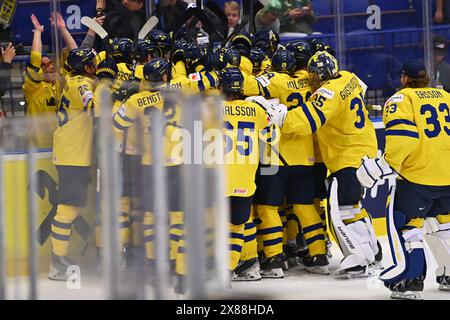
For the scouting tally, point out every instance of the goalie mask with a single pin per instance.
(322, 67)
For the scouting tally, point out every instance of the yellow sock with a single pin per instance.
(136, 222)
(271, 230)
(312, 228)
(291, 224)
(249, 249)
(62, 228)
(236, 241)
(257, 221)
(321, 211)
(180, 266)
(443, 218)
(149, 234)
(175, 232)
(283, 219)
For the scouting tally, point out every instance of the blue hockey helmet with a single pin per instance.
(78, 58)
(283, 61)
(231, 80)
(302, 51)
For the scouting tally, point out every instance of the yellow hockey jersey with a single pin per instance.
(123, 74)
(72, 140)
(40, 97)
(293, 92)
(417, 128)
(243, 121)
(338, 113)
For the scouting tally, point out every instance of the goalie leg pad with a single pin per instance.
(353, 238)
(438, 240)
(406, 243)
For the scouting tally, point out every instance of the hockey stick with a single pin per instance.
(99, 30)
(147, 27)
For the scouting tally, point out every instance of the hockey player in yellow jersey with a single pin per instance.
(144, 51)
(135, 110)
(243, 122)
(295, 178)
(345, 135)
(417, 130)
(72, 153)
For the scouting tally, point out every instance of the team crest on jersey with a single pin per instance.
(240, 191)
(327, 93)
(195, 76)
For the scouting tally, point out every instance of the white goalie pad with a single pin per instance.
(395, 242)
(351, 238)
(438, 239)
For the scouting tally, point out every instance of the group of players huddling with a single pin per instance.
(296, 91)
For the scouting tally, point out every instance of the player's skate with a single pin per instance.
(127, 257)
(271, 268)
(355, 266)
(443, 278)
(247, 271)
(292, 252)
(59, 268)
(377, 264)
(316, 264)
(407, 289)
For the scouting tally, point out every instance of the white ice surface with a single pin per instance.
(297, 285)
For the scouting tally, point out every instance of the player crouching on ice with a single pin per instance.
(417, 133)
(336, 111)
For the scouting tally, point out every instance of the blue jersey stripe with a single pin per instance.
(402, 133)
(399, 121)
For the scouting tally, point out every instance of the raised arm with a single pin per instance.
(61, 24)
(37, 37)
(90, 36)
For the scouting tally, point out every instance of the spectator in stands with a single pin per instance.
(297, 17)
(170, 13)
(124, 18)
(442, 13)
(232, 10)
(442, 68)
(268, 18)
(8, 55)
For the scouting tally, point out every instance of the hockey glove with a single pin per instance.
(276, 112)
(373, 170)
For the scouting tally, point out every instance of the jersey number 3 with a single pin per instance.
(359, 105)
(433, 119)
